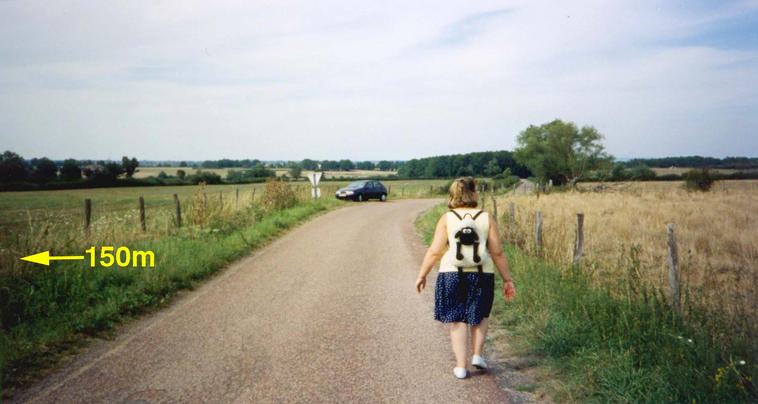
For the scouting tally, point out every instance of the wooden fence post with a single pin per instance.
(178, 211)
(142, 213)
(494, 208)
(673, 268)
(252, 197)
(579, 237)
(221, 199)
(236, 197)
(538, 231)
(389, 189)
(87, 215)
(512, 211)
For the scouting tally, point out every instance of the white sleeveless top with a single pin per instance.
(447, 263)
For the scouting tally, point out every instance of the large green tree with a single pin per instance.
(12, 167)
(45, 170)
(71, 170)
(560, 151)
(309, 164)
(129, 165)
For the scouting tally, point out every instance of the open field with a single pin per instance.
(144, 172)
(682, 170)
(344, 174)
(17, 208)
(625, 225)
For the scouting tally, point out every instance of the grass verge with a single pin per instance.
(606, 348)
(50, 311)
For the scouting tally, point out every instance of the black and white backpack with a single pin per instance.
(470, 247)
(470, 241)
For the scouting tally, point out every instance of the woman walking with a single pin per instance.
(468, 243)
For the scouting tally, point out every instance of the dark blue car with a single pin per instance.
(363, 190)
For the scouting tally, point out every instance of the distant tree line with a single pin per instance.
(16, 173)
(15, 169)
(480, 164)
(738, 163)
(228, 163)
(308, 164)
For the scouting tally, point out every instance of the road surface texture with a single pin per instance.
(327, 313)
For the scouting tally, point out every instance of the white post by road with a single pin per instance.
(314, 178)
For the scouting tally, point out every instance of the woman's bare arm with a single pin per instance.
(499, 259)
(434, 253)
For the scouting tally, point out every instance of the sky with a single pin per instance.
(370, 80)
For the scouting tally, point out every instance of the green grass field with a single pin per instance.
(67, 205)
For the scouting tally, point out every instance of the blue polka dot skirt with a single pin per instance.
(464, 299)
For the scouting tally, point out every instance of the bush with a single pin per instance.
(698, 179)
(669, 177)
(206, 177)
(506, 182)
(618, 173)
(198, 212)
(278, 195)
(641, 173)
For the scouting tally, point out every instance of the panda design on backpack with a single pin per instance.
(469, 242)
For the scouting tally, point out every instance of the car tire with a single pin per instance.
(359, 198)
(383, 197)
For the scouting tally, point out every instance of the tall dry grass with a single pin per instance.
(625, 230)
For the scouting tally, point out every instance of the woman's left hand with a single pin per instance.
(420, 283)
(509, 290)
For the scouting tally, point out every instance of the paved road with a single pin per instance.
(327, 313)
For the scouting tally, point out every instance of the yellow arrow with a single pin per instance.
(44, 258)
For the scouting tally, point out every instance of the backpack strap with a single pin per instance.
(462, 285)
(479, 277)
(461, 218)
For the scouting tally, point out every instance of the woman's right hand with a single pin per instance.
(420, 283)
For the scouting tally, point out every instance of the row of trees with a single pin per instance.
(738, 163)
(13, 169)
(305, 164)
(488, 164)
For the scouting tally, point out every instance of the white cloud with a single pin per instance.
(289, 80)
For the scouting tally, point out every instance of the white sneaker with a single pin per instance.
(460, 373)
(478, 362)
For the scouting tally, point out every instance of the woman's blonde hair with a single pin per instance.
(463, 193)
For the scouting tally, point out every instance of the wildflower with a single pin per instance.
(741, 362)
(689, 340)
(680, 337)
